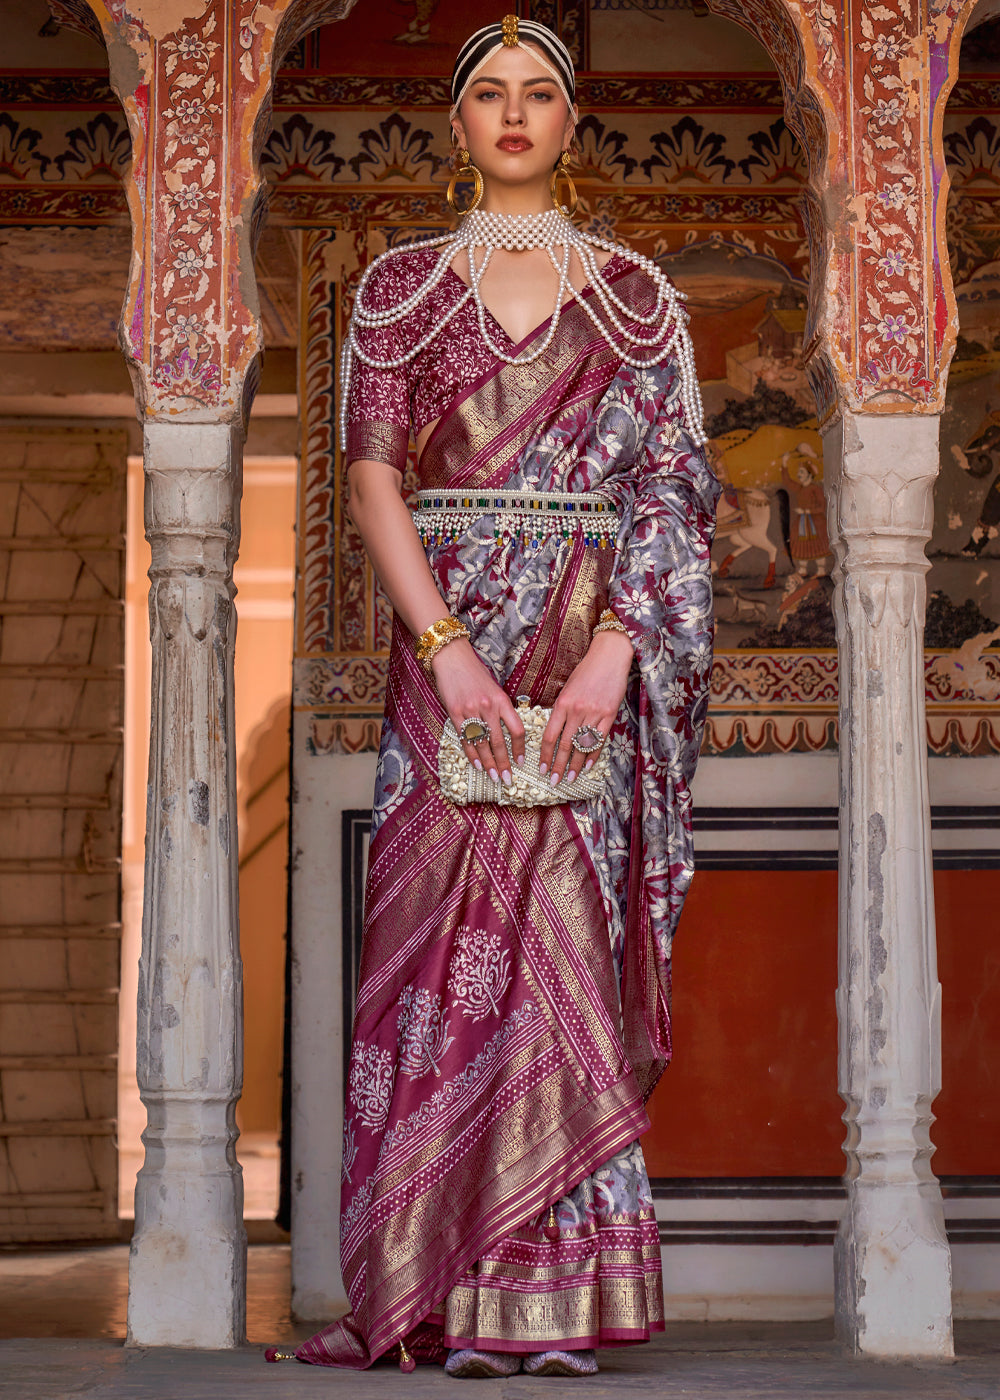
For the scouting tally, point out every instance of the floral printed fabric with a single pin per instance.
(634, 448)
(489, 934)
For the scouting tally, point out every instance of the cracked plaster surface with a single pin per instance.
(162, 17)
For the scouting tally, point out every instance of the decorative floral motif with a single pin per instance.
(341, 680)
(825, 20)
(320, 571)
(18, 147)
(395, 779)
(893, 263)
(893, 328)
(899, 370)
(785, 702)
(466, 1078)
(397, 150)
(687, 150)
(601, 152)
(775, 156)
(613, 91)
(297, 148)
(187, 352)
(479, 973)
(100, 148)
(369, 1083)
(423, 1032)
(432, 1107)
(973, 154)
(248, 33)
(972, 151)
(898, 195)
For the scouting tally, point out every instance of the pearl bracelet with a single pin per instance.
(608, 622)
(436, 638)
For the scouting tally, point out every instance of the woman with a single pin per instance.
(513, 1003)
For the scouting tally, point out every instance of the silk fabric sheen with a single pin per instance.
(513, 1011)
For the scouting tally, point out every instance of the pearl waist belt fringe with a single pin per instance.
(533, 517)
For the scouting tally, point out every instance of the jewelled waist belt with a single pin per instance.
(531, 516)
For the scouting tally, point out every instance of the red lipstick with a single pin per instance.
(514, 143)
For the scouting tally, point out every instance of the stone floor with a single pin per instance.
(62, 1315)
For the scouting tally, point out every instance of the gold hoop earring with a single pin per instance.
(466, 168)
(562, 173)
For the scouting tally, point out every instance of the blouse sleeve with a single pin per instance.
(378, 400)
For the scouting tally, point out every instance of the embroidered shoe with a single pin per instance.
(467, 1363)
(560, 1363)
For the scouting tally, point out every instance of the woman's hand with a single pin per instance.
(590, 699)
(464, 684)
(470, 692)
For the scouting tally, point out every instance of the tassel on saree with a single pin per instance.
(551, 1227)
(406, 1361)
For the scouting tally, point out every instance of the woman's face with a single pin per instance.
(514, 120)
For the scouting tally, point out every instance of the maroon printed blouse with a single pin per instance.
(384, 404)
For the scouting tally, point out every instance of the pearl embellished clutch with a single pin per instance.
(464, 784)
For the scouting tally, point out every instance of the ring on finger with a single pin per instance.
(475, 730)
(587, 739)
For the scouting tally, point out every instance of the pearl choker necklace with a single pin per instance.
(518, 232)
(482, 229)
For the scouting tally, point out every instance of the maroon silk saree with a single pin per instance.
(513, 1006)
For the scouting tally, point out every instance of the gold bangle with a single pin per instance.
(608, 622)
(437, 636)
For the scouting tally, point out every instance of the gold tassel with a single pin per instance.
(551, 1227)
(406, 1361)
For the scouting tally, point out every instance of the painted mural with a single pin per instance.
(420, 37)
(697, 169)
(405, 37)
(771, 561)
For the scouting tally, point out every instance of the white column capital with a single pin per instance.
(880, 473)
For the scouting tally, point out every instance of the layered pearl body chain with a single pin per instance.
(551, 230)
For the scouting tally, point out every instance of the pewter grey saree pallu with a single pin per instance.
(513, 1012)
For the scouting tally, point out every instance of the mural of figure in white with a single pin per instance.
(754, 534)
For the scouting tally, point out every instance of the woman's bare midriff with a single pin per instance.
(423, 436)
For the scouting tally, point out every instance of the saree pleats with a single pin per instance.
(597, 1284)
(513, 1003)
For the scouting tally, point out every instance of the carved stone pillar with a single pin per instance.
(893, 1263)
(195, 81)
(865, 88)
(188, 1262)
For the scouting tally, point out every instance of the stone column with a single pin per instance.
(195, 82)
(892, 1261)
(865, 88)
(187, 1274)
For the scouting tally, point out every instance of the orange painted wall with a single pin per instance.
(753, 1087)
